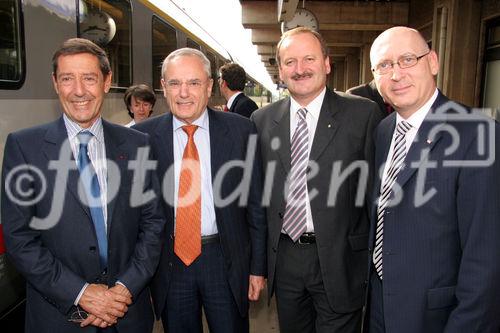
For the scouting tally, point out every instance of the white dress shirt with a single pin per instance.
(97, 154)
(202, 141)
(312, 116)
(231, 99)
(415, 120)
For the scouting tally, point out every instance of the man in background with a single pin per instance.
(369, 90)
(232, 83)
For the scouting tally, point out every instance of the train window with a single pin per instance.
(215, 70)
(11, 45)
(107, 23)
(164, 41)
(192, 44)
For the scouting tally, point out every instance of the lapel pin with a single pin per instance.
(429, 141)
(329, 125)
(121, 157)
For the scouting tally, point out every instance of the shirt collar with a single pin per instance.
(201, 122)
(416, 119)
(73, 128)
(231, 99)
(313, 108)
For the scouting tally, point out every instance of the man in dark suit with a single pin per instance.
(227, 264)
(369, 90)
(232, 83)
(435, 229)
(318, 228)
(87, 254)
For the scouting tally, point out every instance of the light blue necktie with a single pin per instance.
(93, 192)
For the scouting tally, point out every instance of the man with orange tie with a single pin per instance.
(215, 251)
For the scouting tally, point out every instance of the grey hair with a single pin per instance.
(186, 52)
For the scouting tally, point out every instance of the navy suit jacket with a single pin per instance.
(440, 256)
(57, 262)
(243, 105)
(242, 229)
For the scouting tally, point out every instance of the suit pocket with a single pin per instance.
(441, 297)
(358, 242)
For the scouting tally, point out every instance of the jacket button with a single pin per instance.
(170, 264)
(280, 214)
(92, 248)
(274, 249)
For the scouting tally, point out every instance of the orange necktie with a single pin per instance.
(187, 245)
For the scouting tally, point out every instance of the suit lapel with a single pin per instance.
(115, 153)
(327, 127)
(56, 147)
(382, 145)
(422, 144)
(281, 130)
(235, 102)
(220, 143)
(163, 144)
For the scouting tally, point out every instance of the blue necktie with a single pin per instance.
(93, 192)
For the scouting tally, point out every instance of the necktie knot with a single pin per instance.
(190, 129)
(302, 112)
(403, 127)
(84, 137)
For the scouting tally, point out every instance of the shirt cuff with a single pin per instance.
(80, 294)
(120, 283)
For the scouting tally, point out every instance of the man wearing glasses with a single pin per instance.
(435, 233)
(215, 252)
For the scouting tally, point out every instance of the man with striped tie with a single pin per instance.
(317, 244)
(435, 231)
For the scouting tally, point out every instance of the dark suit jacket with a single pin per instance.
(440, 257)
(343, 136)
(369, 90)
(243, 105)
(242, 229)
(58, 261)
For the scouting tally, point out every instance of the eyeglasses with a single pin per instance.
(191, 84)
(405, 61)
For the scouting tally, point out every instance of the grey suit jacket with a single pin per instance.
(343, 137)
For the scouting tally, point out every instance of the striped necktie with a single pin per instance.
(294, 221)
(397, 159)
